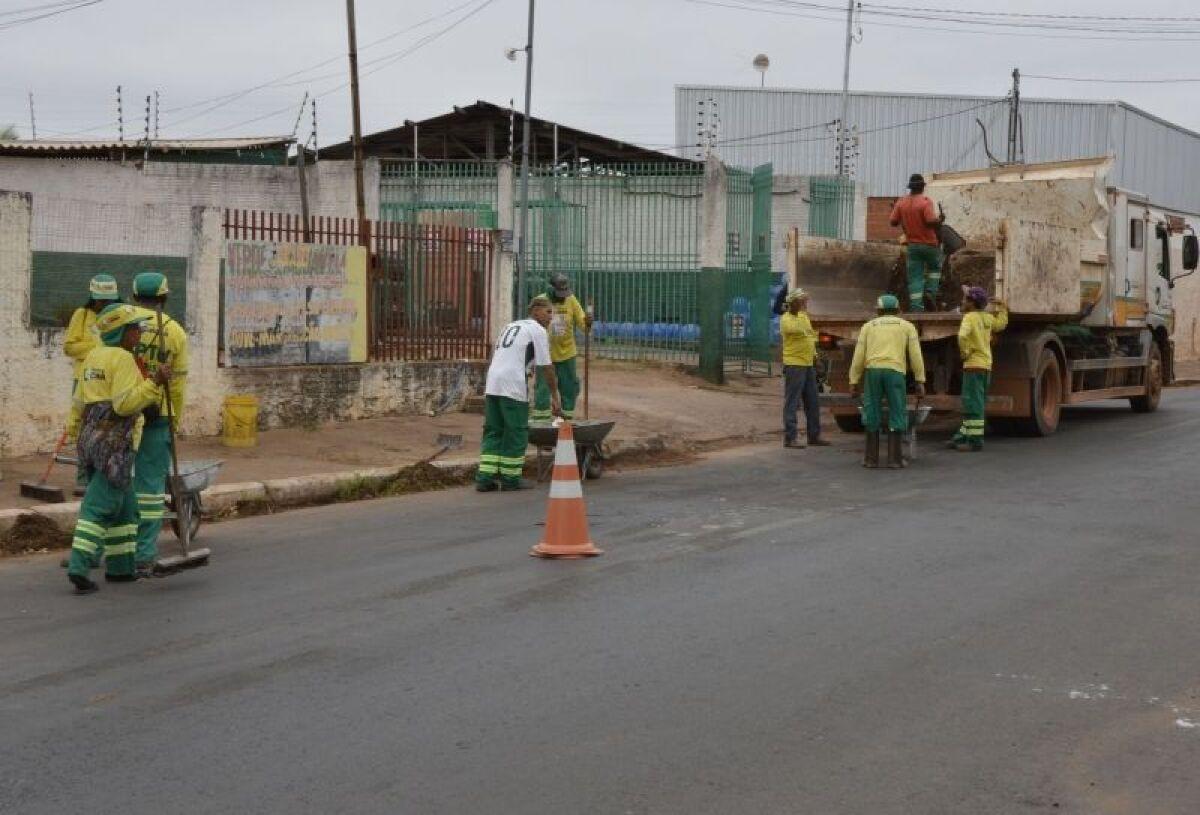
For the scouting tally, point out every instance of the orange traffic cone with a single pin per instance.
(566, 534)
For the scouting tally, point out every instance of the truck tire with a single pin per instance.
(1047, 397)
(1154, 384)
(849, 422)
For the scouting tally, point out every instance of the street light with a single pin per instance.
(511, 55)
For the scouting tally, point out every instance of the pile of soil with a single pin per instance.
(33, 533)
(426, 477)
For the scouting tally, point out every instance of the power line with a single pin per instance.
(8, 24)
(391, 60)
(778, 8)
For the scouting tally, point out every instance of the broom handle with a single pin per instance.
(587, 358)
(57, 449)
(167, 394)
(181, 511)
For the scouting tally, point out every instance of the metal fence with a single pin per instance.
(427, 285)
(628, 236)
(832, 207)
(461, 193)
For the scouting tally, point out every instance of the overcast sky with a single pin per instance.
(604, 65)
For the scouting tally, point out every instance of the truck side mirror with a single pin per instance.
(1191, 252)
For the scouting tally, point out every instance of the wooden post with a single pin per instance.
(360, 198)
(587, 356)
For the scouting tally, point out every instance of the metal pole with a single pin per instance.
(1014, 111)
(360, 198)
(32, 119)
(523, 245)
(841, 145)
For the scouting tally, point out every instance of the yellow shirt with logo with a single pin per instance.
(81, 337)
(111, 374)
(888, 342)
(975, 337)
(799, 339)
(567, 317)
(175, 347)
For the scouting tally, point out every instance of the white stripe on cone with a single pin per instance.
(564, 453)
(565, 489)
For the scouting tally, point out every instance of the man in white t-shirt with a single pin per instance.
(506, 398)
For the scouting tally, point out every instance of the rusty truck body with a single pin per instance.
(1086, 270)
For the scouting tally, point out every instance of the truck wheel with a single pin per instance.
(1154, 384)
(1047, 398)
(849, 423)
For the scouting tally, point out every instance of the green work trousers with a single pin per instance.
(974, 402)
(150, 470)
(924, 274)
(568, 391)
(505, 437)
(880, 385)
(106, 529)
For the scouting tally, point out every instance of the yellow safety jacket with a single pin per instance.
(975, 337)
(81, 337)
(567, 316)
(111, 374)
(799, 339)
(175, 346)
(888, 342)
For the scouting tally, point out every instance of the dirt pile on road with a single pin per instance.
(33, 533)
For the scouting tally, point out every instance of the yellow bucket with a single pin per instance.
(240, 421)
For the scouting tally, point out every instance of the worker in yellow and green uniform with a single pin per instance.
(975, 347)
(567, 316)
(799, 373)
(887, 349)
(107, 409)
(81, 337)
(153, 464)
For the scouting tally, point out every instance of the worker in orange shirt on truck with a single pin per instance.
(915, 215)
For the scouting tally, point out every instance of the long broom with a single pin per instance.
(40, 490)
(188, 558)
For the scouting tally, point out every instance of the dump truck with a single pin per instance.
(1086, 270)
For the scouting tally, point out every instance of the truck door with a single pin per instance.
(1163, 261)
(1130, 302)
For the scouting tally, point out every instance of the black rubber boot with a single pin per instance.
(486, 486)
(896, 451)
(83, 585)
(871, 456)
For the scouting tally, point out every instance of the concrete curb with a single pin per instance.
(309, 490)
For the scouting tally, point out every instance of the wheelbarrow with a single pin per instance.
(195, 477)
(589, 436)
(917, 414)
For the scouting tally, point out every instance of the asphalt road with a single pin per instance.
(770, 631)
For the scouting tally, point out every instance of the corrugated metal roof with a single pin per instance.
(902, 133)
(170, 145)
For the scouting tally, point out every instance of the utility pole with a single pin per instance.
(120, 117)
(360, 198)
(32, 119)
(156, 115)
(1014, 117)
(523, 246)
(841, 141)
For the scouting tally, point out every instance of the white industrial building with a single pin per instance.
(898, 134)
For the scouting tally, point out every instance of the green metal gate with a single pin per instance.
(447, 193)
(748, 272)
(831, 213)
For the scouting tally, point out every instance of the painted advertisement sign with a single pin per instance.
(294, 304)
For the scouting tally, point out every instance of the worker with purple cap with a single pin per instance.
(975, 347)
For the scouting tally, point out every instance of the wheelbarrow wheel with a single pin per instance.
(849, 423)
(591, 463)
(193, 518)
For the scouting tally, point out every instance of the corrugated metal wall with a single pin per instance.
(904, 133)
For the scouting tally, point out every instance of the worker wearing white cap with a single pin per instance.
(799, 372)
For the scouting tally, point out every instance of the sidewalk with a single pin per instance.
(654, 406)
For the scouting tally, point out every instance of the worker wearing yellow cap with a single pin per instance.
(887, 349)
(567, 317)
(799, 373)
(109, 401)
(81, 336)
(150, 292)
(975, 346)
